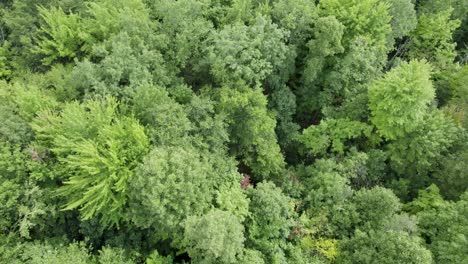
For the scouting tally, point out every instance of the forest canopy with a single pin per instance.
(234, 131)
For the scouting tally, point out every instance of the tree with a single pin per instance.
(120, 65)
(5, 70)
(108, 255)
(166, 120)
(233, 131)
(403, 15)
(252, 54)
(172, 184)
(22, 22)
(62, 37)
(442, 224)
(17, 210)
(450, 174)
(186, 27)
(29, 99)
(252, 130)
(375, 24)
(44, 253)
(297, 17)
(376, 207)
(415, 153)
(14, 129)
(252, 257)
(432, 38)
(399, 100)
(233, 200)
(327, 42)
(283, 102)
(270, 220)
(325, 199)
(98, 149)
(383, 247)
(346, 53)
(332, 133)
(209, 129)
(217, 236)
(67, 36)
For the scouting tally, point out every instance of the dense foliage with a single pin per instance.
(234, 131)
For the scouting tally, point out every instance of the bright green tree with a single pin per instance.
(332, 134)
(399, 100)
(432, 38)
(98, 150)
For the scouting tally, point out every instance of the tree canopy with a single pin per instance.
(233, 131)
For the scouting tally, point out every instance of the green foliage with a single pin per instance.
(432, 38)
(326, 192)
(325, 184)
(450, 175)
(345, 87)
(233, 131)
(270, 220)
(55, 254)
(248, 53)
(416, 151)
(209, 129)
(283, 102)
(233, 200)
(23, 204)
(252, 130)
(383, 247)
(22, 22)
(296, 16)
(109, 255)
(155, 258)
(427, 199)
(13, 172)
(186, 27)
(216, 237)
(14, 128)
(457, 90)
(403, 15)
(166, 120)
(172, 184)
(98, 149)
(326, 247)
(124, 63)
(5, 70)
(367, 18)
(252, 256)
(62, 37)
(327, 42)
(68, 36)
(375, 207)
(332, 133)
(31, 100)
(109, 17)
(346, 53)
(399, 100)
(444, 226)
